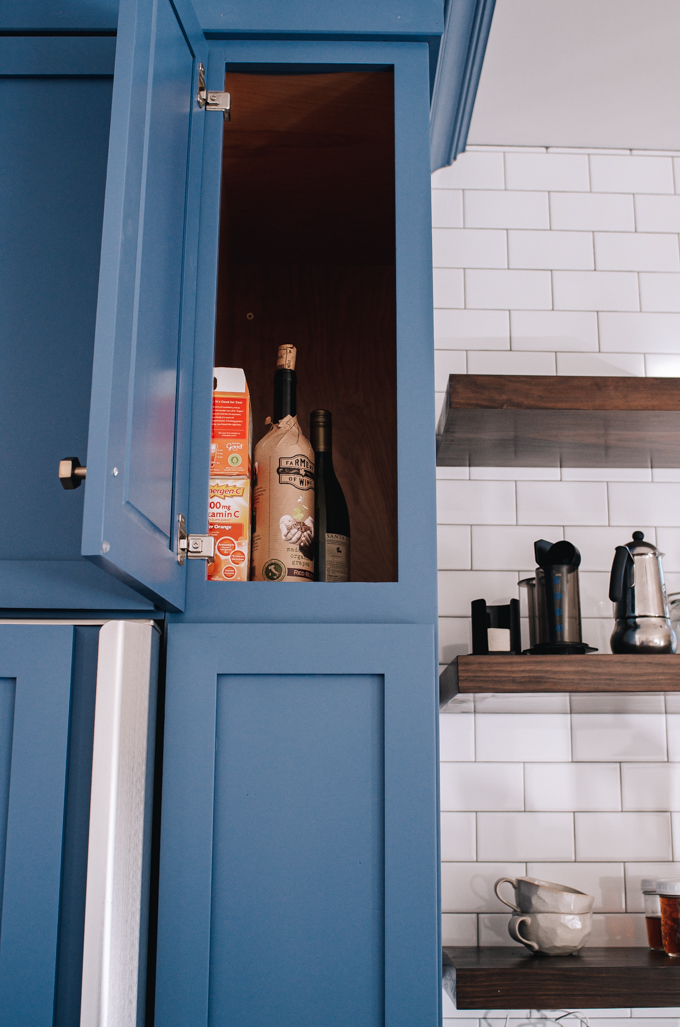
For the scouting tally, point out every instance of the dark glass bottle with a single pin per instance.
(331, 519)
(285, 384)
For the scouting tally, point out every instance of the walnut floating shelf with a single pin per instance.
(597, 978)
(470, 675)
(548, 420)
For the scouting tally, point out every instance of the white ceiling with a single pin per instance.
(591, 73)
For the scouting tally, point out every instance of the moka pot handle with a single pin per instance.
(621, 558)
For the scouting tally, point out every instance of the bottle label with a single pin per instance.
(337, 557)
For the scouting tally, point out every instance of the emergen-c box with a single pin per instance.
(229, 524)
(232, 424)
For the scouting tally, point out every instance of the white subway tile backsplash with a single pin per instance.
(631, 174)
(487, 209)
(458, 833)
(639, 333)
(504, 290)
(600, 737)
(650, 786)
(572, 786)
(460, 929)
(468, 887)
(472, 170)
(508, 786)
(471, 329)
(515, 473)
(676, 173)
(448, 290)
(453, 547)
(447, 208)
(595, 600)
(660, 292)
(481, 786)
(618, 836)
(446, 362)
(493, 930)
(561, 503)
(619, 931)
(493, 362)
(663, 365)
(549, 171)
(475, 502)
(544, 837)
(657, 213)
(604, 881)
(457, 589)
(595, 290)
(658, 502)
(529, 737)
(634, 874)
(591, 212)
(673, 733)
(636, 251)
(607, 473)
(473, 247)
(454, 638)
(608, 364)
(507, 548)
(553, 330)
(550, 250)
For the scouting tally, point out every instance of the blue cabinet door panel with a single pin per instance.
(137, 464)
(36, 666)
(47, 697)
(299, 876)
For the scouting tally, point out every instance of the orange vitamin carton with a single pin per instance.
(232, 423)
(229, 524)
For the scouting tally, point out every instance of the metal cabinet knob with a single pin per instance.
(71, 473)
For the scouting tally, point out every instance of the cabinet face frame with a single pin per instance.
(403, 655)
(413, 596)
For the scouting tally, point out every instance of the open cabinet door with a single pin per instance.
(137, 461)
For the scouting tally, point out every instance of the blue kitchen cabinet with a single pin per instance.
(298, 878)
(47, 699)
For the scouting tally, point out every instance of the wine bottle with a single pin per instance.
(331, 519)
(283, 488)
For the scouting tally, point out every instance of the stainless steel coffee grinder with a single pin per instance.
(554, 601)
(637, 588)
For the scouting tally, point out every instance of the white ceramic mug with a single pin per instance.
(535, 896)
(555, 934)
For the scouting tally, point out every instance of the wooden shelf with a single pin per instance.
(593, 674)
(596, 978)
(548, 420)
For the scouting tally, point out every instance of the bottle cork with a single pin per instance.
(286, 357)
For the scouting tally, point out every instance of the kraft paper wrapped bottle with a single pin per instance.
(283, 488)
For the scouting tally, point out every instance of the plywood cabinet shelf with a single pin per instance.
(597, 673)
(548, 420)
(596, 978)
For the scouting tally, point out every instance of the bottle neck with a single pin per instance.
(321, 437)
(285, 398)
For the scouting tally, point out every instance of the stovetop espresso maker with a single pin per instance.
(554, 601)
(637, 588)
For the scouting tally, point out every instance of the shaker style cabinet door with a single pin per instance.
(298, 874)
(137, 461)
(47, 689)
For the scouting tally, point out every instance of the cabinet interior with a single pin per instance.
(307, 256)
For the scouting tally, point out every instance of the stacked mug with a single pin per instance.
(549, 918)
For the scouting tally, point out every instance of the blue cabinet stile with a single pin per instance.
(297, 851)
(47, 692)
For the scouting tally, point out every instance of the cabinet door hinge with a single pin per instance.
(193, 547)
(211, 100)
